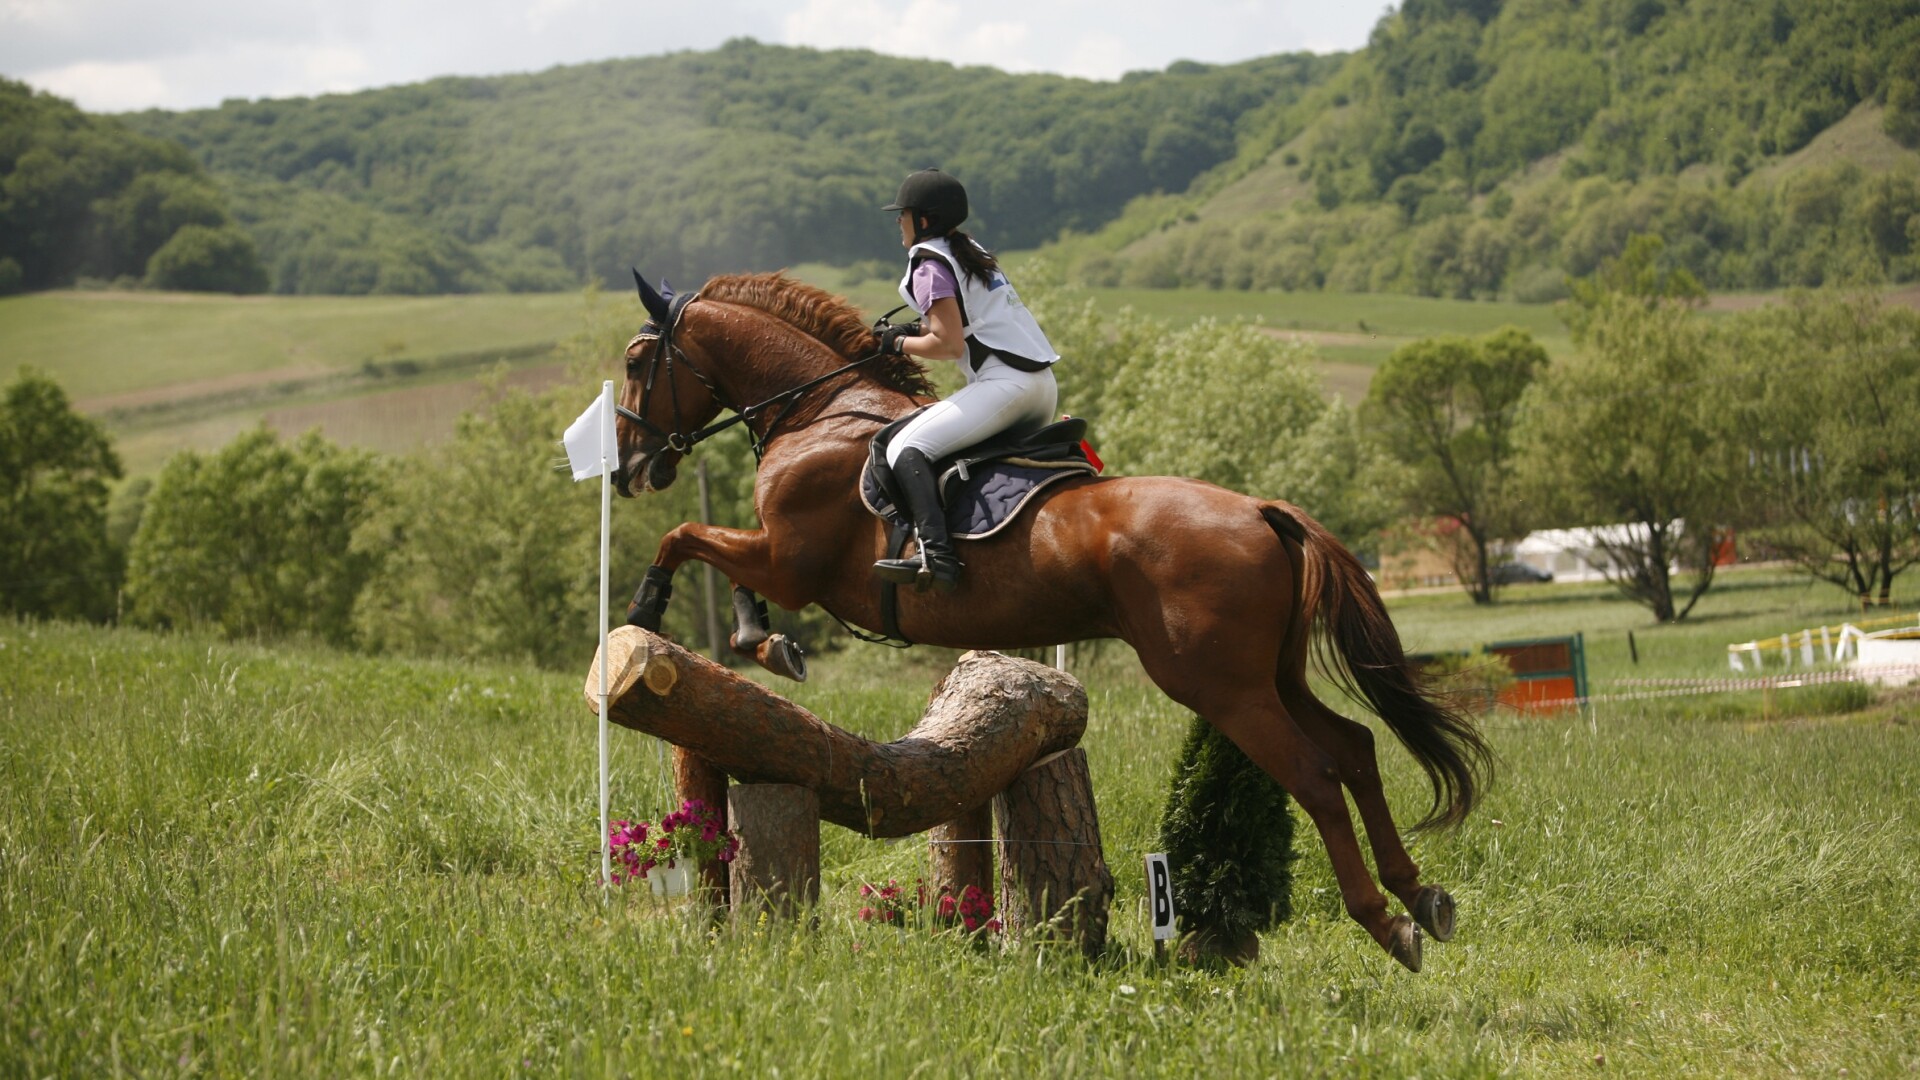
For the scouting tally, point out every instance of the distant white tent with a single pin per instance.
(1577, 554)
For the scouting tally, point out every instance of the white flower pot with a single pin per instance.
(669, 880)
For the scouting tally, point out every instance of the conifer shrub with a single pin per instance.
(1228, 836)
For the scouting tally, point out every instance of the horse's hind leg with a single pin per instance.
(1350, 744)
(1267, 733)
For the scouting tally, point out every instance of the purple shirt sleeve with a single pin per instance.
(932, 280)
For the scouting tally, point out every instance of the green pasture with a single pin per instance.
(221, 859)
(1346, 328)
(171, 371)
(113, 343)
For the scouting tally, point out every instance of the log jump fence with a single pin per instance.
(997, 749)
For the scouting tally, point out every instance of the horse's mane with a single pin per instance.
(825, 317)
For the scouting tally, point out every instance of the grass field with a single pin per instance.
(221, 859)
(172, 371)
(168, 371)
(107, 344)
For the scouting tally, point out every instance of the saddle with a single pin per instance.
(983, 487)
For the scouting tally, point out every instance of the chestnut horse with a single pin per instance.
(1214, 590)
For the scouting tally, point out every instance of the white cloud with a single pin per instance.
(830, 24)
(107, 86)
(1100, 56)
(334, 68)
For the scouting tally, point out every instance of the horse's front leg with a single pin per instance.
(745, 557)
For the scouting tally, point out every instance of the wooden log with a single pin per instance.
(778, 865)
(1053, 878)
(960, 853)
(694, 777)
(989, 719)
(638, 660)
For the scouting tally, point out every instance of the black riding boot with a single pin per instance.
(936, 563)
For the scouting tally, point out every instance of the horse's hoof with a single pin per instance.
(781, 656)
(1433, 910)
(1403, 942)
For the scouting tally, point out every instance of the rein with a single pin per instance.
(678, 440)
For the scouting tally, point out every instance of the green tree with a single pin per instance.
(1833, 425)
(200, 258)
(1445, 409)
(1633, 434)
(1232, 405)
(55, 465)
(86, 195)
(254, 540)
(1640, 272)
(1229, 843)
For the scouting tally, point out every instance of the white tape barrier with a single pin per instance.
(1882, 674)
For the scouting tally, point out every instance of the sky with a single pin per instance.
(118, 55)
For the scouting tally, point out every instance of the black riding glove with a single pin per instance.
(891, 336)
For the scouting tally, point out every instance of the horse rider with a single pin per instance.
(969, 313)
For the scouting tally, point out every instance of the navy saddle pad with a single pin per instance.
(986, 486)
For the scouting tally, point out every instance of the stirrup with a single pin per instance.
(920, 573)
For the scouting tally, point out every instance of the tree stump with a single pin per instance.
(1053, 878)
(694, 777)
(777, 868)
(960, 853)
(989, 719)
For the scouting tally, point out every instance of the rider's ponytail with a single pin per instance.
(975, 261)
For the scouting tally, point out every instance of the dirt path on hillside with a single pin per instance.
(200, 388)
(1906, 296)
(395, 421)
(1327, 337)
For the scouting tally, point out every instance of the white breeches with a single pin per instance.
(996, 398)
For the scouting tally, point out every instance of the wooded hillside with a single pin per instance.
(86, 195)
(749, 156)
(1480, 148)
(1474, 148)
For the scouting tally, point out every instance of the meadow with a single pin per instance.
(229, 858)
(171, 371)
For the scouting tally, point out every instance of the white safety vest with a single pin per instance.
(990, 312)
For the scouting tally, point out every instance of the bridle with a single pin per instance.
(665, 351)
(664, 354)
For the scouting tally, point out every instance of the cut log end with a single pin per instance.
(633, 657)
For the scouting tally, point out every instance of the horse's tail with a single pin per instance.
(1359, 649)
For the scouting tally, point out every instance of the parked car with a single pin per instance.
(1518, 573)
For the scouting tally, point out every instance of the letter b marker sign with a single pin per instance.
(1160, 897)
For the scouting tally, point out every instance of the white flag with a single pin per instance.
(590, 440)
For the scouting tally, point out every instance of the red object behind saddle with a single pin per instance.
(1087, 449)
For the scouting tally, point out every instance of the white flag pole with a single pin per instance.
(606, 510)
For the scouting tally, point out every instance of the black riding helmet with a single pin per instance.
(935, 196)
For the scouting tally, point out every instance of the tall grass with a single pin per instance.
(230, 859)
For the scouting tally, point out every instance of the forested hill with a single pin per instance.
(1473, 148)
(1481, 147)
(86, 196)
(749, 156)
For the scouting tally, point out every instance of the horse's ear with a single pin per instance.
(656, 307)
